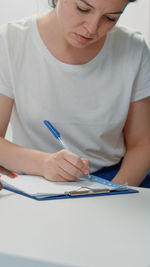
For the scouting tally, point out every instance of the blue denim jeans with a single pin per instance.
(109, 173)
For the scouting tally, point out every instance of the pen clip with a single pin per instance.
(81, 191)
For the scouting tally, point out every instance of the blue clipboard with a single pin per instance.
(66, 196)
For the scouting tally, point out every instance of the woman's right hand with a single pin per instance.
(64, 166)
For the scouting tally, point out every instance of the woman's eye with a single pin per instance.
(111, 19)
(82, 10)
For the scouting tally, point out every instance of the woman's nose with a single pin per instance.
(92, 25)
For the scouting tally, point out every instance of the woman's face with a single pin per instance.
(84, 22)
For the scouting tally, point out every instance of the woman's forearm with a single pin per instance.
(21, 159)
(135, 166)
(61, 166)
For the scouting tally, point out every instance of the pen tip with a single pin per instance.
(89, 176)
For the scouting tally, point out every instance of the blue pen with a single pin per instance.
(57, 135)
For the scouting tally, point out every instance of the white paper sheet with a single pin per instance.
(38, 186)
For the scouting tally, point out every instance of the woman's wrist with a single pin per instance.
(40, 160)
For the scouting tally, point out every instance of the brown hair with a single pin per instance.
(52, 3)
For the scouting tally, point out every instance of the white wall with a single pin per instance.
(137, 16)
(16, 9)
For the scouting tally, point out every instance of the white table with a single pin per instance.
(91, 232)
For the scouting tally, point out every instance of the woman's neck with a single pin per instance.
(59, 48)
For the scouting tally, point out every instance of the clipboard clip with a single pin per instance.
(87, 191)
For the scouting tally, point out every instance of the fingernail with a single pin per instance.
(15, 175)
(86, 171)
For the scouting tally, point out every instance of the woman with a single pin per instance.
(74, 67)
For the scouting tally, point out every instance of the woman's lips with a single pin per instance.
(83, 39)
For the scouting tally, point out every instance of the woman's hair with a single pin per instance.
(54, 2)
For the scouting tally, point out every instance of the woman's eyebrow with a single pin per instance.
(115, 12)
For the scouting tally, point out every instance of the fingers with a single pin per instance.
(1, 186)
(73, 165)
(73, 159)
(7, 172)
(86, 166)
(70, 171)
(65, 166)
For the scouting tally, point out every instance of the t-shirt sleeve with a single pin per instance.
(6, 75)
(141, 86)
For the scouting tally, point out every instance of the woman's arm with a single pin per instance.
(61, 166)
(5, 117)
(136, 162)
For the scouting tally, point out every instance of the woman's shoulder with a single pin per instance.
(127, 40)
(15, 29)
(15, 36)
(125, 34)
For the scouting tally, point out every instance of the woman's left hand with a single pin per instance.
(6, 172)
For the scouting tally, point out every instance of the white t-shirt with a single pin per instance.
(87, 103)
